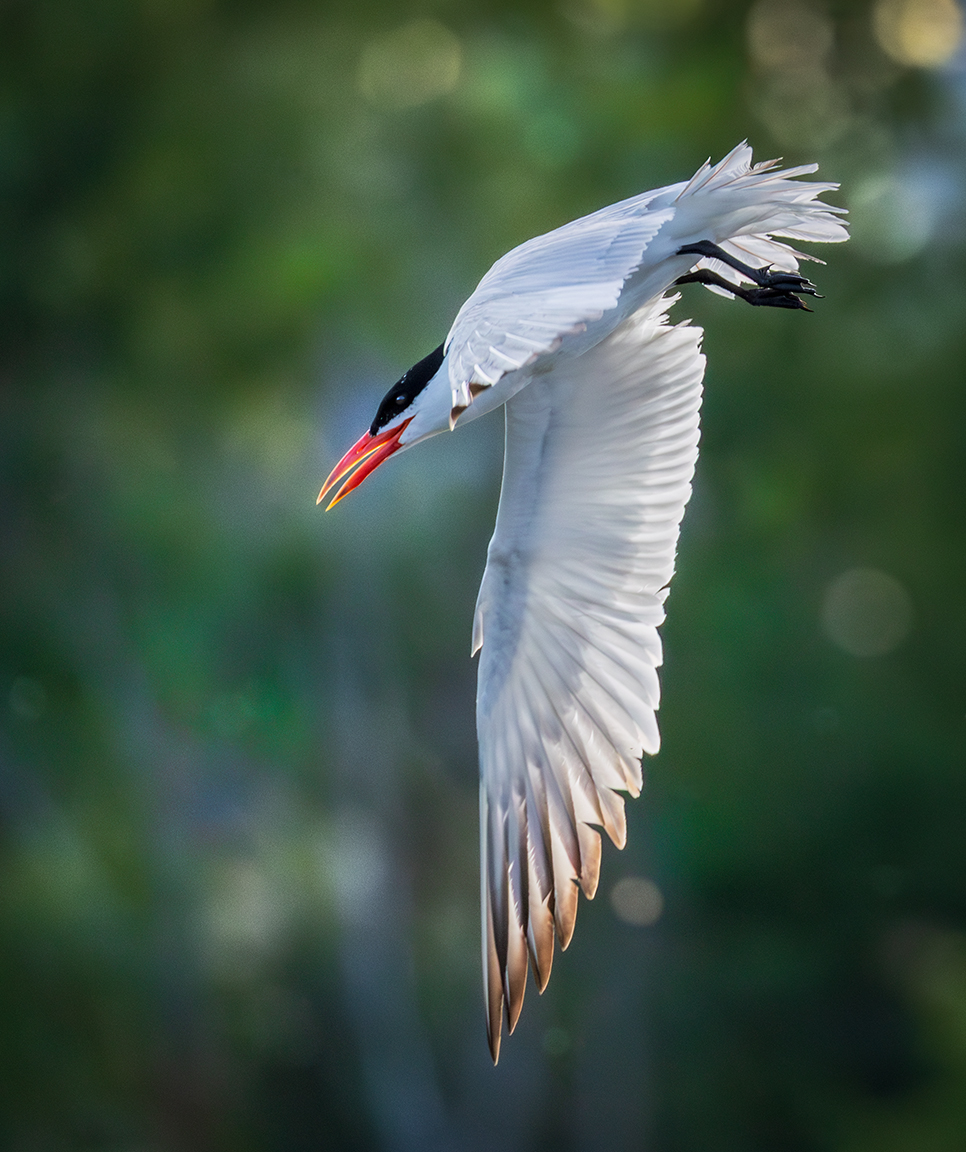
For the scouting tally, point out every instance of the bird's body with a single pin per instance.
(602, 395)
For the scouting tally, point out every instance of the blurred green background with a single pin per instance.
(238, 893)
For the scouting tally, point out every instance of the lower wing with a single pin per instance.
(599, 458)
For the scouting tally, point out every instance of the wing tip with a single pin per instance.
(541, 969)
(515, 976)
(493, 1031)
(590, 857)
(494, 1001)
(565, 913)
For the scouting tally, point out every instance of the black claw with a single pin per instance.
(772, 297)
(768, 297)
(773, 289)
(785, 282)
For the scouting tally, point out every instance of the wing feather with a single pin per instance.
(540, 910)
(545, 289)
(599, 461)
(594, 728)
(572, 754)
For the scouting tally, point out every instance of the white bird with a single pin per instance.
(569, 332)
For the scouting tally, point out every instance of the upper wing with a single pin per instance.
(555, 285)
(546, 289)
(599, 459)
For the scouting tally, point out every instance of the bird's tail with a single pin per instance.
(743, 206)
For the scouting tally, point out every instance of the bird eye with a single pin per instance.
(401, 399)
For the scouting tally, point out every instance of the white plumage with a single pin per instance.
(569, 331)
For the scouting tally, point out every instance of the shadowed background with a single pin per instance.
(238, 866)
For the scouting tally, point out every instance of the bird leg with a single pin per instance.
(774, 289)
(772, 297)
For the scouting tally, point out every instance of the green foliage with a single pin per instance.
(237, 761)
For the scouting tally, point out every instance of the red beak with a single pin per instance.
(369, 451)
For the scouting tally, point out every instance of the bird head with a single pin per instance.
(416, 406)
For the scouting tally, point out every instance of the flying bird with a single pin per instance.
(569, 334)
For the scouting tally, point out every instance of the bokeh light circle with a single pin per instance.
(866, 612)
(637, 901)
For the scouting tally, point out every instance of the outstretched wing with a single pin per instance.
(599, 459)
(548, 288)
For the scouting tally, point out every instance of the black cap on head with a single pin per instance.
(405, 391)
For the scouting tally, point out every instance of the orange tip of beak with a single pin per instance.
(362, 459)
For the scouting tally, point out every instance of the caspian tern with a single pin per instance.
(569, 332)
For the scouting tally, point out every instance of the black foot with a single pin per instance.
(775, 289)
(760, 297)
